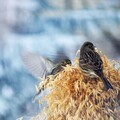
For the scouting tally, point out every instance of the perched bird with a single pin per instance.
(91, 63)
(41, 66)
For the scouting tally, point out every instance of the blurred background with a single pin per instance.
(49, 27)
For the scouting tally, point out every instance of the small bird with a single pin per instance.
(41, 66)
(91, 63)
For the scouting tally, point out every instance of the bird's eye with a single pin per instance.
(68, 62)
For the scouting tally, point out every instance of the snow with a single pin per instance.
(3, 106)
(7, 92)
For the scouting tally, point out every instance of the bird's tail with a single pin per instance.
(105, 82)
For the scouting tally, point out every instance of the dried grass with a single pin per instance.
(77, 97)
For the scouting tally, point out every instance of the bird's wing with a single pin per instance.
(38, 65)
(91, 60)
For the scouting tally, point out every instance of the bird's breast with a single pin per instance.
(89, 73)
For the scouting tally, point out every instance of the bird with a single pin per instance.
(41, 66)
(91, 64)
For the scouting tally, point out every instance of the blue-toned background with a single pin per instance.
(48, 27)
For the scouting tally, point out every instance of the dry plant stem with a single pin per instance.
(77, 97)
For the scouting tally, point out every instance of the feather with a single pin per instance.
(38, 65)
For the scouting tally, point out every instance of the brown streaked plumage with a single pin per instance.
(91, 63)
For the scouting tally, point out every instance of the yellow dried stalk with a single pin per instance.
(77, 97)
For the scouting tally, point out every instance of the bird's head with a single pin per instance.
(88, 45)
(65, 62)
